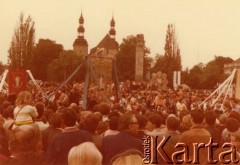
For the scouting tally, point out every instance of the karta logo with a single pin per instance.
(154, 149)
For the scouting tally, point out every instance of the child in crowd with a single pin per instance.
(24, 113)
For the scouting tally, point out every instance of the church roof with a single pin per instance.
(237, 61)
(107, 43)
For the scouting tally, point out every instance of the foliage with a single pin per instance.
(195, 77)
(161, 63)
(61, 68)
(21, 49)
(44, 53)
(171, 61)
(207, 77)
(126, 58)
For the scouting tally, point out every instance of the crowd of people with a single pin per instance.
(38, 130)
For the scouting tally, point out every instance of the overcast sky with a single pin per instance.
(204, 27)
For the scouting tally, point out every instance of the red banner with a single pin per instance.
(17, 81)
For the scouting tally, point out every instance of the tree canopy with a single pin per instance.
(126, 57)
(171, 60)
(21, 49)
(207, 76)
(45, 52)
(61, 68)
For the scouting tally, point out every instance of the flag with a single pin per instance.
(17, 80)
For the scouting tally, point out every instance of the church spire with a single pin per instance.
(81, 28)
(112, 31)
(80, 45)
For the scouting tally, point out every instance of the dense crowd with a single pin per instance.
(35, 129)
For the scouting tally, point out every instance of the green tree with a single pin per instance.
(44, 53)
(21, 49)
(185, 76)
(61, 68)
(207, 76)
(161, 63)
(214, 72)
(126, 57)
(195, 77)
(171, 61)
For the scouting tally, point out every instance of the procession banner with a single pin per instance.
(17, 81)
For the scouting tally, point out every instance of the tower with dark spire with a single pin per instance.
(112, 31)
(80, 45)
(103, 60)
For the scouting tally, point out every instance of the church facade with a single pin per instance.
(102, 55)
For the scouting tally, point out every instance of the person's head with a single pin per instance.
(172, 123)
(48, 112)
(128, 158)
(5, 104)
(222, 118)
(113, 113)
(182, 114)
(232, 124)
(91, 123)
(84, 115)
(210, 118)
(85, 153)
(142, 120)
(129, 122)
(234, 102)
(197, 116)
(56, 120)
(113, 122)
(103, 108)
(8, 112)
(235, 115)
(154, 121)
(69, 117)
(74, 106)
(12, 98)
(52, 105)
(98, 115)
(25, 138)
(76, 87)
(40, 109)
(102, 127)
(227, 105)
(24, 98)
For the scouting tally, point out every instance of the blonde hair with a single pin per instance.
(132, 159)
(85, 153)
(23, 98)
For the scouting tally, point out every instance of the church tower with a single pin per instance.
(103, 60)
(112, 31)
(80, 45)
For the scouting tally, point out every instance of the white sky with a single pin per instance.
(204, 27)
